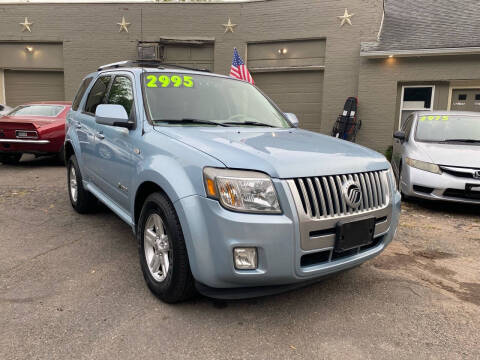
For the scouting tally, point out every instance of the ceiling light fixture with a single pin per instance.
(29, 49)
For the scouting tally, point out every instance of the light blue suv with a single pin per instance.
(223, 192)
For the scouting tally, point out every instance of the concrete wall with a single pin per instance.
(380, 82)
(90, 36)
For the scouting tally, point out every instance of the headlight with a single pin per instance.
(245, 191)
(422, 165)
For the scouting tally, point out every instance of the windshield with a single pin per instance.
(199, 100)
(37, 110)
(439, 128)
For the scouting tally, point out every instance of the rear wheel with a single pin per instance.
(162, 251)
(10, 159)
(61, 156)
(82, 201)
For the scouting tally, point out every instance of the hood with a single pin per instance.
(281, 153)
(37, 121)
(461, 155)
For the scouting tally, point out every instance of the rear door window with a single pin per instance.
(97, 94)
(80, 93)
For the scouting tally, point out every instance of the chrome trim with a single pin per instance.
(16, 141)
(324, 215)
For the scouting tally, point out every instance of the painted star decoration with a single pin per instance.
(345, 18)
(26, 25)
(229, 26)
(123, 25)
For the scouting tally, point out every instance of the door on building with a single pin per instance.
(27, 86)
(298, 92)
(465, 100)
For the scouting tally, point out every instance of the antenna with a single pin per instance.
(143, 70)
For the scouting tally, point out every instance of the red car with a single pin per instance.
(35, 128)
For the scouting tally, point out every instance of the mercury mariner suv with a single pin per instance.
(223, 191)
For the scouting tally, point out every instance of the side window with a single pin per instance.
(97, 94)
(81, 91)
(121, 93)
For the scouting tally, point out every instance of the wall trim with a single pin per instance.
(421, 52)
(287, 68)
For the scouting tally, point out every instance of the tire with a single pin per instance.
(61, 156)
(10, 159)
(82, 201)
(170, 280)
(399, 182)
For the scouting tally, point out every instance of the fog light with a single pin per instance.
(245, 258)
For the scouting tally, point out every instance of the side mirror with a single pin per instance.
(400, 135)
(112, 115)
(292, 118)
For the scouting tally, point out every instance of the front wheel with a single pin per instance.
(162, 251)
(82, 201)
(10, 159)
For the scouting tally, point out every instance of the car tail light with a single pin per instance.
(26, 134)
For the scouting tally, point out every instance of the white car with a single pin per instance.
(436, 156)
(4, 109)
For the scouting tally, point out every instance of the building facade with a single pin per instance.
(308, 55)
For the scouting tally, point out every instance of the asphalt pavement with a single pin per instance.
(71, 288)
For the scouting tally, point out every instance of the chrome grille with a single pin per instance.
(322, 197)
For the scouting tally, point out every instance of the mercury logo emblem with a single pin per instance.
(352, 194)
(476, 174)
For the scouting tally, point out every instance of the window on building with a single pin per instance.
(415, 98)
(462, 97)
(97, 94)
(121, 93)
(477, 97)
(80, 93)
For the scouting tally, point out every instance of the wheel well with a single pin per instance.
(68, 150)
(144, 190)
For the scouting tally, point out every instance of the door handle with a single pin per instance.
(77, 124)
(100, 136)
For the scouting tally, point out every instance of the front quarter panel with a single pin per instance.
(175, 167)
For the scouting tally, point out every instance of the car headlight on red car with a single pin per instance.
(26, 134)
(244, 191)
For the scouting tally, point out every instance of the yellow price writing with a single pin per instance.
(165, 81)
(434, 117)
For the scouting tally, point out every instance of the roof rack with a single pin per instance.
(146, 63)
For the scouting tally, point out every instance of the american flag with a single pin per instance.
(239, 69)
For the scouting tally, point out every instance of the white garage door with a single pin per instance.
(298, 92)
(26, 86)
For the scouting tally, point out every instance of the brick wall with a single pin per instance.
(91, 38)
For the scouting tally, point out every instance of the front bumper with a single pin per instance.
(446, 187)
(211, 233)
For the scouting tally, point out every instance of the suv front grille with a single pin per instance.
(322, 197)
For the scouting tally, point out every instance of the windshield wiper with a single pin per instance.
(190, 121)
(253, 123)
(473, 141)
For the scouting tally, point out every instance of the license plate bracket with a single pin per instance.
(352, 234)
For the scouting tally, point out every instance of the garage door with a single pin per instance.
(298, 92)
(26, 86)
(465, 100)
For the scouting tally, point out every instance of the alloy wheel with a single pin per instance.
(157, 247)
